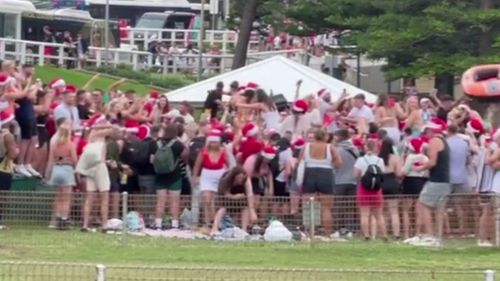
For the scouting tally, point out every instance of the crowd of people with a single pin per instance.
(395, 157)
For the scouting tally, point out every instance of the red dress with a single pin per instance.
(249, 147)
(369, 198)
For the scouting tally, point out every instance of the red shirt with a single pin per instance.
(208, 164)
(249, 147)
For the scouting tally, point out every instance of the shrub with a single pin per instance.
(169, 81)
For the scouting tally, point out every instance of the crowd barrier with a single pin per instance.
(14, 271)
(317, 217)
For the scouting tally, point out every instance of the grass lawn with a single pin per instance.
(207, 260)
(80, 78)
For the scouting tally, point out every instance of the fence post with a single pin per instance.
(61, 56)
(101, 272)
(497, 220)
(2, 49)
(312, 219)
(489, 275)
(124, 217)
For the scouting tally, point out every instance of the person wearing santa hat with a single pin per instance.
(299, 122)
(61, 174)
(250, 144)
(92, 165)
(436, 191)
(209, 167)
(67, 109)
(413, 182)
(257, 167)
(10, 152)
(26, 119)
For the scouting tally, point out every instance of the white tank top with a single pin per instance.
(271, 119)
(318, 163)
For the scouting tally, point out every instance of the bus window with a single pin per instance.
(152, 21)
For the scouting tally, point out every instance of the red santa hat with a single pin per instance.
(252, 86)
(71, 88)
(95, 119)
(58, 85)
(5, 79)
(300, 106)
(214, 136)
(475, 126)
(436, 124)
(298, 143)
(241, 89)
(142, 131)
(269, 152)
(154, 95)
(249, 130)
(229, 133)
(415, 145)
(6, 117)
(323, 92)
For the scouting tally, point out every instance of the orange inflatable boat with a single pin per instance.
(482, 81)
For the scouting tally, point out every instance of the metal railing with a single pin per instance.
(226, 39)
(41, 53)
(39, 271)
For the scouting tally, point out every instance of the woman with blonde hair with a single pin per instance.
(210, 165)
(60, 172)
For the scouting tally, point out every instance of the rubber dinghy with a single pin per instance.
(482, 81)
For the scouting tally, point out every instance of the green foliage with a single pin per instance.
(170, 81)
(417, 37)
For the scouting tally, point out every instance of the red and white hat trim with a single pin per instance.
(5, 79)
(57, 83)
(269, 153)
(142, 131)
(250, 130)
(214, 136)
(300, 106)
(95, 119)
(322, 93)
(475, 126)
(6, 117)
(299, 143)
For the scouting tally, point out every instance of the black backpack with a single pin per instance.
(373, 177)
(195, 146)
(138, 153)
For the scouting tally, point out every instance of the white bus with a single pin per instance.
(132, 10)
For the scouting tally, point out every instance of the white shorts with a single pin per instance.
(98, 179)
(209, 179)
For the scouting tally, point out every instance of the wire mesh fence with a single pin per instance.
(33, 271)
(469, 217)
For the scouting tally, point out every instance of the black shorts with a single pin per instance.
(280, 189)
(5, 181)
(43, 135)
(28, 128)
(413, 185)
(318, 180)
(258, 186)
(390, 185)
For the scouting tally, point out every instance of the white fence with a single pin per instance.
(225, 39)
(46, 271)
(41, 53)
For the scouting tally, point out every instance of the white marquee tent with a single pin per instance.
(277, 74)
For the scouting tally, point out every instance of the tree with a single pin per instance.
(246, 23)
(417, 37)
